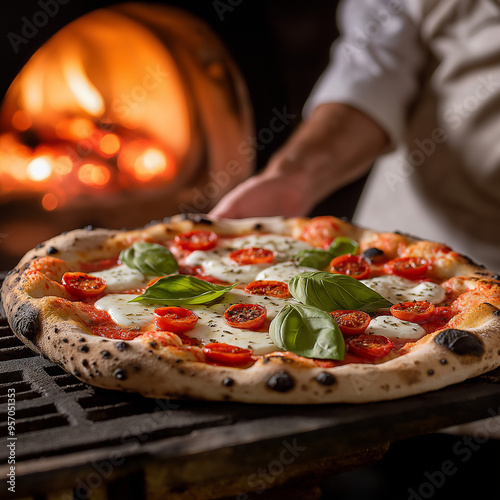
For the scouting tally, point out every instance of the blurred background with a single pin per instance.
(115, 114)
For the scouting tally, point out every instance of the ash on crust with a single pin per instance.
(460, 342)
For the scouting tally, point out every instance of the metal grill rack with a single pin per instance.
(75, 441)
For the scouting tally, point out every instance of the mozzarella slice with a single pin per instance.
(217, 263)
(395, 328)
(283, 271)
(211, 326)
(122, 278)
(396, 289)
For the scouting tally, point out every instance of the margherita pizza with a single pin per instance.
(268, 310)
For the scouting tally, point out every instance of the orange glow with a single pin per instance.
(39, 169)
(94, 175)
(63, 165)
(110, 144)
(75, 129)
(87, 95)
(21, 120)
(49, 202)
(152, 162)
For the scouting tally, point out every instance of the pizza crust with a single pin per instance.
(53, 326)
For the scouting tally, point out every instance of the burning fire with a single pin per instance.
(84, 119)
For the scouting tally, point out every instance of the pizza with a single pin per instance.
(270, 310)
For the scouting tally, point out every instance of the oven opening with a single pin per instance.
(130, 113)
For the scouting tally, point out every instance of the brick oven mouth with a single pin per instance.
(130, 113)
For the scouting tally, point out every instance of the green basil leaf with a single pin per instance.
(151, 259)
(307, 331)
(179, 289)
(331, 292)
(319, 259)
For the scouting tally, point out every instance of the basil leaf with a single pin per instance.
(319, 259)
(307, 331)
(331, 292)
(151, 259)
(181, 289)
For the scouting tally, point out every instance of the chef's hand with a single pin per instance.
(334, 147)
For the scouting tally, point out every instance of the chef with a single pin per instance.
(412, 92)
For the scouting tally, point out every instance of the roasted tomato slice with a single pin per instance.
(83, 285)
(408, 267)
(174, 319)
(226, 354)
(351, 322)
(321, 231)
(249, 316)
(416, 311)
(252, 255)
(270, 288)
(350, 265)
(371, 347)
(196, 240)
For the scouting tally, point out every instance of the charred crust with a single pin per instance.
(373, 253)
(51, 251)
(258, 226)
(105, 354)
(460, 342)
(430, 372)
(496, 277)
(120, 374)
(25, 321)
(281, 382)
(325, 378)
(83, 348)
(76, 373)
(121, 346)
(89, 227)
(443, 361)
(497, 312)
(85, 363)
(82, 340)
(199, 219)
(228, 382)
(66, 341)
(40, 245)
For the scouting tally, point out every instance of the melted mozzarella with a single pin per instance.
(211, 326)
(217, 263)
(122, 278)
(283, 271)
(396, 289)
(395, 328)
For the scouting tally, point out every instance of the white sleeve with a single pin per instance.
(374, 64)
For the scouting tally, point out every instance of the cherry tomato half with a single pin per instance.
(196, 240)
(351, 322)
(174, 319)
(408, 267)
(249, 316)
(416, 311)
(252, 255)
(83, 285)
(226, 354)
(321, 231)
(270, 288)
(371, 347)
(350, 265)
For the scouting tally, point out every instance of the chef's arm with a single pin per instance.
(336, 145)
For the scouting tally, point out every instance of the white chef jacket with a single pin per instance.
(428, 71)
